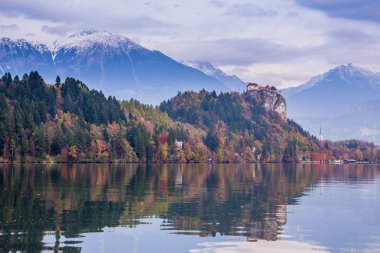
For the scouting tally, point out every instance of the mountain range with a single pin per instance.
(344, 102)
(231, 81)
(109, 62)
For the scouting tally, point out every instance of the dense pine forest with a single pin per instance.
(68, 122)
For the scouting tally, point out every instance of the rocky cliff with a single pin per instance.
(271, 100)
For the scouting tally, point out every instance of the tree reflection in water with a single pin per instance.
(200, 199)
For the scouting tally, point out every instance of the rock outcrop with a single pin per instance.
(270, 100)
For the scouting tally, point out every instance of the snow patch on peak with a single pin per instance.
(232, 82)
(313, 81)
(355, 75)
(353, 71)
(40, 47)
(5, 40)
(87, 39)
(23, 44)
(17, 42)
(205, 67)
(349, 73)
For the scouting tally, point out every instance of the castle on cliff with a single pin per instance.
(267, 96)
(256, 87)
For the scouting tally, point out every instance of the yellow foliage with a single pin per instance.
(164, 152)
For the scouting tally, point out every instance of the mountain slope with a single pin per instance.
(112, 63)
(233, 82)
(333, 93)
(21, 56)
(342, 101)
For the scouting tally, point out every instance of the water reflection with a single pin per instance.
(65, 201)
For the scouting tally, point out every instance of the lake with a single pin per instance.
(189, 208)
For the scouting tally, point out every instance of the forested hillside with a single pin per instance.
(67, 122)
(236, 125)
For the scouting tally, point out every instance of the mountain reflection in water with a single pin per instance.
(65, 202)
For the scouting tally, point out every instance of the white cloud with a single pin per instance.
(249, 10)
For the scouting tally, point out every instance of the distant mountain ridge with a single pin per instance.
(340, 89)
(342, 101)
(19, 56)
(109, 62)
(231, 81)
(85, 40)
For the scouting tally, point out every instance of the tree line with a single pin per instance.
(68, 122)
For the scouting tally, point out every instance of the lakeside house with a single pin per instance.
(178, 145)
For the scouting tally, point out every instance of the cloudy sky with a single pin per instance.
(280, 42)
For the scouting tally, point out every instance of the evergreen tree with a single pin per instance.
(24, 146)
(57, 81)
(40, 142)
(211, 141)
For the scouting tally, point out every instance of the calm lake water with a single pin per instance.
(189, 208)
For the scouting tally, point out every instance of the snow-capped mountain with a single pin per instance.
(334, 92)
(231, 81)
(21, 56)
(341, 101)
(86, 40)
(109, 62)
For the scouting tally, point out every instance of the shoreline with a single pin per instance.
(116, 162)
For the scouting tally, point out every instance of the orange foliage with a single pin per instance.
(73, 153)
(316, 156)
(102, 148)
(113, 128)
(163, 138)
